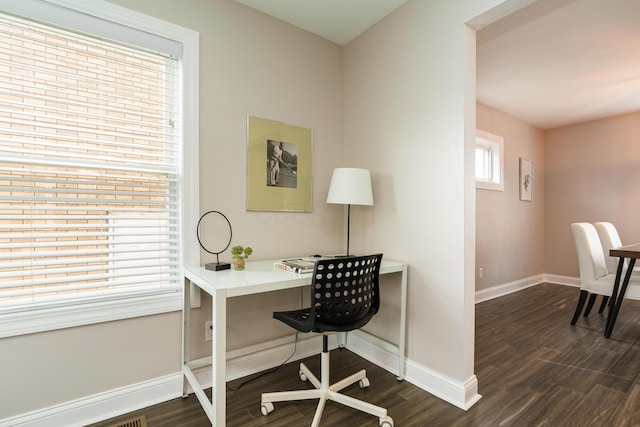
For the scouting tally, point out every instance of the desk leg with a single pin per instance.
(219, 355)
(342, 339)
(403, 325)
(186, 328)
(617, 302)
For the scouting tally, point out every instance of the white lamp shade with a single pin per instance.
(350, 186)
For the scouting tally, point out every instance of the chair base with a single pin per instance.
(592, 299)
(324, 391)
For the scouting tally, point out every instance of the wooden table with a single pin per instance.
(632, 252)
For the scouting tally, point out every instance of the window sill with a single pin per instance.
(28, 322)
(487, 185)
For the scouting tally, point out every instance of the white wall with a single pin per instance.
(510, 233)
(592, 174)
(44, 369)
(410, 118)
(409, 115)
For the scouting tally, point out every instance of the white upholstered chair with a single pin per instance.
(609, 238)
(594, 275)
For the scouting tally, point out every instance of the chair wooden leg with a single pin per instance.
(581, 301)
(603, 305)
(592, 300)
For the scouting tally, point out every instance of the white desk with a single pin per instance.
(257, 277)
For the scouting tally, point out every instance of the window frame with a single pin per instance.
(495, 145)
(73, 314)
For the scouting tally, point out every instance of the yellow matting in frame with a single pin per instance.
(279, 166)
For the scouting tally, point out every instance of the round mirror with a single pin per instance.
(214, 235)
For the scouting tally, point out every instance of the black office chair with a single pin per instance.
(344, 296)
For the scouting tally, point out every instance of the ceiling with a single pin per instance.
(553, 63)
(337, 20)
(558, 62)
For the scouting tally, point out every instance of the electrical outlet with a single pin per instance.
(208, 330)
(480, 272)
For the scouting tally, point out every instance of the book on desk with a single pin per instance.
(298, 265)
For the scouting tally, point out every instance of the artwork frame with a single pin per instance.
(279, 166)
(526, 179)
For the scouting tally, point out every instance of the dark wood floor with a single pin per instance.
(534, 369)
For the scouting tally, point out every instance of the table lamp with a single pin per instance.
(350, 186)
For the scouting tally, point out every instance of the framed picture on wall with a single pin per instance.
(526, 179)
(279, 166)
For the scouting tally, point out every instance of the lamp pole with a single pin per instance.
(348, 225)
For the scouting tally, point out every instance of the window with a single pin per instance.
(92, 147)
(489, 161)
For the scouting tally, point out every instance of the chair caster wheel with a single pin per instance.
(386, 422)
(303, 377)
(267, 408)
(364, 383)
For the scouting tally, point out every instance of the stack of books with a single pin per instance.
(297, 265)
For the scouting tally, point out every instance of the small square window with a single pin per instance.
(489, 161)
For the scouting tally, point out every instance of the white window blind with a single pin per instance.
(90, 155)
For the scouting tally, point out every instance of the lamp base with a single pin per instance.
(217, 266)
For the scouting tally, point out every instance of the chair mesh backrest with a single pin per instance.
(345, 290)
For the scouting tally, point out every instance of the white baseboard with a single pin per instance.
(242, 362)
(463, 395)
(508, 288)
(562, 280)
(102, 406)
(263, 356)
(130, 398)
(251, 360)
(518, 285)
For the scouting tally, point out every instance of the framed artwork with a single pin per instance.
(526, 179)
(279, 166)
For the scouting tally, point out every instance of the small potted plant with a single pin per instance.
(240, 254)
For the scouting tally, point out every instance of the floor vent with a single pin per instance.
(134, 422)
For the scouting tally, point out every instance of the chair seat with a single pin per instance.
(299, 319)
(604, 286)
